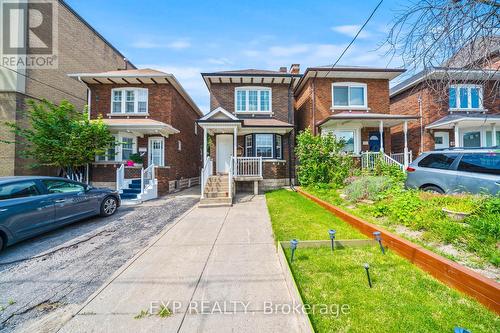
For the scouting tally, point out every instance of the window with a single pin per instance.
(266, 146)
(62, 186)
(18, 190)
(120, 150)
(248, 145)
(471, 139)
(346, 94)
(278, 149)
(127, 148)
(465, 96)
(480, 163)
(438, 140)
(438, 161)
(348, 138)
(489, 139)
(111, 152)
(253, 99)
(129, 100)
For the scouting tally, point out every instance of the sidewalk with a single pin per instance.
(210, 259)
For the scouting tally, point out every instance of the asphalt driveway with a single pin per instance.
(61, 269)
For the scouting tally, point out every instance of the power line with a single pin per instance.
(46, 84)
(356, 36)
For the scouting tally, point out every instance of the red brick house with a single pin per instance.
(250, 130)
(152, 116)
(352, 103)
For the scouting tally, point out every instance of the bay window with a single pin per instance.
(253, 99)
(465, 97)
(129, 100)
(349, 94)
(267, 146)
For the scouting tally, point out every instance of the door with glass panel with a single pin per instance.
(157, 151)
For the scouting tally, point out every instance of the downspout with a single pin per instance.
(291, 117)
(314, 104)
(421, 124)
(89, 101)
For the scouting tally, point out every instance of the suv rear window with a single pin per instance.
(18, 190)
(438, 161)
(480, 163)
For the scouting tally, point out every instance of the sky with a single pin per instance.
(186, 38)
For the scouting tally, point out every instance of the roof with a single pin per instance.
(140, 124)
(252, 71)
(437, 73)
(136, 76)
(265, 122)
(474, 52)
(250, 76)
(363, 115)
(454, 118)
(354, 72)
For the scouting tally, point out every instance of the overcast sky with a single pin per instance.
(188, 37)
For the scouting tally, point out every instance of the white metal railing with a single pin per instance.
(147, 177)
(400, 157)
(120, 178)
(230, 178)
(369, 160)
(247, 166)
(206, 172)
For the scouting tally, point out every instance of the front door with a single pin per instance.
(224, 150)
(442, 140)
(157, 151)
(374, 141)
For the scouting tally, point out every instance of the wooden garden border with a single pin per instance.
(457, 276)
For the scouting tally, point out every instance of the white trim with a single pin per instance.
(119, 149)
(469, 107)
(247, 101)
(351, 127)
(150, 150)
(350, 85)
(123, 106)
(219, 110)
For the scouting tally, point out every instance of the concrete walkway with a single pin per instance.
(217, 268)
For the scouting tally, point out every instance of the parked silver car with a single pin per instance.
(456, 170)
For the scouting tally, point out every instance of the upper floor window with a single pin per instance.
(349, 94)
(466, 96)
(253, 99)
(129, 100)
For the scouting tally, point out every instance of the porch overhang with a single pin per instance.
(456, 120)
(366, 119)
(140, 127)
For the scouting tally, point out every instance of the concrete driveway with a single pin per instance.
(50, 276)
(216, 269)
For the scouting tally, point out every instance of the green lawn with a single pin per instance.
(294, 216)
(403, 297)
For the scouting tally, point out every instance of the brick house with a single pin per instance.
(80, 49)
(251, 131)
(151, 115)
(352, 103)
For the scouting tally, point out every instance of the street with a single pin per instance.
(62, 268)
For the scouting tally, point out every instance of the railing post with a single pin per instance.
(260, 166)
(142, 181)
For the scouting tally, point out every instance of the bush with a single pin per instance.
(321, 159)
(367, 187)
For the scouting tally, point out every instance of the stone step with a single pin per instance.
(216, 194)
(215, 202)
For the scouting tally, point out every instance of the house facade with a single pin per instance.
(154, 122)
(80, 49)
(352, 103)
(249, 131)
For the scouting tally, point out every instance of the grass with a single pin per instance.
(403, 297)
(294, 216)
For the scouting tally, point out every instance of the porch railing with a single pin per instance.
(247, 166)
(230, 178)
(206, 172)
(369, 160)
(147, 177)
(120, 178)
(400, 157)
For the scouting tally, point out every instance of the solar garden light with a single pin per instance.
(378, 238)
(460, 330)
(332, 232)
(293, 246)
(367, 269)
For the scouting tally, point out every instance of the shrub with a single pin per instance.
(367, 187)
(321, 159)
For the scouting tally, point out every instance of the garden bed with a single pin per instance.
(403, 297)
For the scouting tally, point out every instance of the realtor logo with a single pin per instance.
(29, 33)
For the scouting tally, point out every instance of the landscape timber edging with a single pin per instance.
(484, 290)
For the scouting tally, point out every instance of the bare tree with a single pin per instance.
(443, 37)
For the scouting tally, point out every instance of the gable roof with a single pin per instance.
(474, 52)
(216, 111)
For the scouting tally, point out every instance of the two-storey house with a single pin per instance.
(248, 134)
(352, 103)
(152, 117)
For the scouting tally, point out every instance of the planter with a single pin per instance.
(457, 216)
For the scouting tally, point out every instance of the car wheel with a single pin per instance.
(433, 189)
(108, 206)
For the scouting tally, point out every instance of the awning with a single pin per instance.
(367, 119)
(466, 120)
(140, 126)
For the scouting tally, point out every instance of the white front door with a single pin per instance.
(157, 151)
(442, 140)
(224, 150)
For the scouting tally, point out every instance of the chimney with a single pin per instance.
(283, 69)
(295, 69)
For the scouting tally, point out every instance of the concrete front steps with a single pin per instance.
(216, 192)
(129, 196)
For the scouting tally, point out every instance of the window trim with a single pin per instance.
(247, 104)
(253, 147)
(350, 85)
(136, 91)
(354, 128)
(118, 148)
(469, 97)
(150, 150)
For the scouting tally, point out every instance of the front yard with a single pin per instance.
(403, 297)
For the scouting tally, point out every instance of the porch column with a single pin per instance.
(381, 130)
(235, 141)
(204, 146)
(405, 151)
(494, 135)
(457, 136)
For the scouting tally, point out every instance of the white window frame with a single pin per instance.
(136, 101)
(118, 149)
(150, 150)
(247, 104)
(350, 85)
(355, 129)
(272, 145)
(469, 97)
